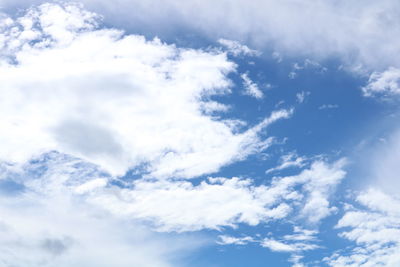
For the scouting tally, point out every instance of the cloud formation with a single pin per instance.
(386, 83)
(350, 30)
(251, 88)
(222, 202)
(114, 99)
(47, 222)
(105, 207)
(375, 229)
(112, 127)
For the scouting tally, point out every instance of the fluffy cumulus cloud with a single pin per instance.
(386, 83)
(375, 229)
(222, 202)
(117, 100)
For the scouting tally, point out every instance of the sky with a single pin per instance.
(199, 133)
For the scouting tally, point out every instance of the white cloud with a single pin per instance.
(237, 49)
(180, 206)
(277, 56)
(251, 88)
(94, 209)
(46, 223)
(381, 163)
(222, 202)
(307, 64)
(295, 244)
(328, 106)
(386, 83)
(91, 185)
(287, 161)
(89, 198)
(120, 101)
(349, 29)
(278, 246)
(300, 97)
(211, 107)
(301, 235)
(372, 222)
(323, 183)
(117, 100)
(230, 240)
(297, 66)
(281, 246)
(375, 229)
(292, 75)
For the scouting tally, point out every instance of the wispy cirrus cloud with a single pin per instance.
(251, 88)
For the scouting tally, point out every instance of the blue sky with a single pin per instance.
(169, 133)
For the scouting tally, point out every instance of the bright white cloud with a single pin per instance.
(386, 83)
(300, 97)
(237, 49)
(295, 244)
(117, 100)
(320, 182)
(251, 88)
(280, 246)
(301, 235)
(300, 240)
(375, 229)
(288, 161)
(230, 240)
(221, 202)
(180, 206)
